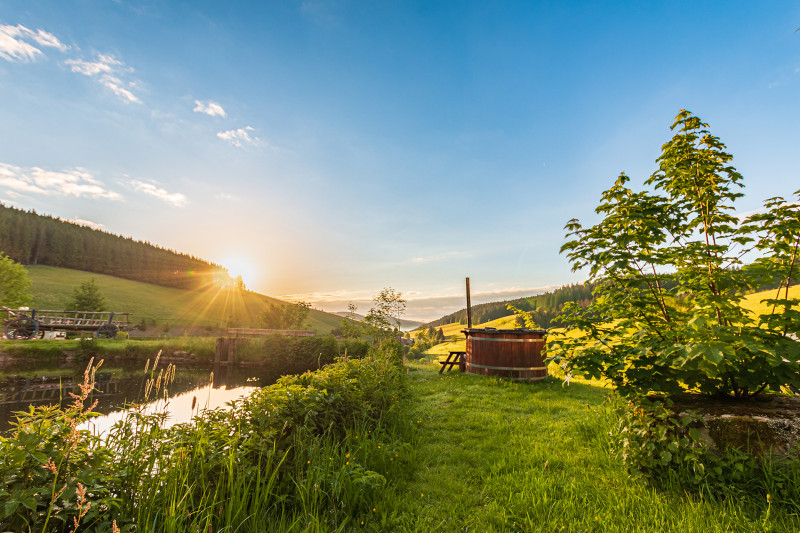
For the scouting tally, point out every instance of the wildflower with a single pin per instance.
(769, 497)
(51, 466)
(308, 462)
(373, 509)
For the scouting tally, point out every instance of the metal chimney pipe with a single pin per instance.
(469, 307)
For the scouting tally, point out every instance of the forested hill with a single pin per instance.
(33, 239)
(542, 307)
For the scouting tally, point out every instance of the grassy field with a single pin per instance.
(753, 301)
(494, 455)
(211, 307)
(453, 331)
(456, 341)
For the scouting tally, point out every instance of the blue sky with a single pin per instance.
(327, 149)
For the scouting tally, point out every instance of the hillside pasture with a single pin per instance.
(211, 307)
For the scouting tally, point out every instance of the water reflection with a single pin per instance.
(120, 384)
(180, 408)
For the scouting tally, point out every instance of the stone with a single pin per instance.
(763, 425)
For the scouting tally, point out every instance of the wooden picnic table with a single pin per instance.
(455, 358)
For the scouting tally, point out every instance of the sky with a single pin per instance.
(324, 150)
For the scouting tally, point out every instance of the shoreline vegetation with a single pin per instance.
(363, 444)
(291, 354)
(314, 451)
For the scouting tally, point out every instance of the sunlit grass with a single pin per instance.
(754, 301)
(495, 455)
(453, 331)
(213, 306)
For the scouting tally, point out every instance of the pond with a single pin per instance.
(118, 384)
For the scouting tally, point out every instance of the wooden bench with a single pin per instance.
(455, 358)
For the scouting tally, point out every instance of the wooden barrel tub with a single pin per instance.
(510, 353)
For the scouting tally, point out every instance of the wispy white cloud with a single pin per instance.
(175, 198)
(15, 43)
(224, 196)
(238, 137)
(328, 296)
(419, 306)
(108, 71)
(209, 108)
(87, 223)
(77, 182)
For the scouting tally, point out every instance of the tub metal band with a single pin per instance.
(508, 367)
(487, 339)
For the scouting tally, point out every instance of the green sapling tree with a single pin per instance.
(87, 297)
(668, 263)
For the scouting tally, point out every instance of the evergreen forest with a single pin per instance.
(542, 308)
(33, 239)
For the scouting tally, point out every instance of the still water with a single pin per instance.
(121, 383)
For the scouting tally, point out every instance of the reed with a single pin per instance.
(312, 451)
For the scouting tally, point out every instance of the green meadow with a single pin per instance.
(361, 447)
(495, 455)
(164, 308)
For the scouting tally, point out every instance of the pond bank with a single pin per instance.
(312, 452)
(297, 354)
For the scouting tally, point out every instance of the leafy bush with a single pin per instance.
(54, 476)
(668, 313)
(298, 354)
(15, 285)
(317, 447)
(666, 447)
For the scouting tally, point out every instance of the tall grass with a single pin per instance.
(313, 451)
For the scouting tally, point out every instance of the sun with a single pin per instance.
(238, 265)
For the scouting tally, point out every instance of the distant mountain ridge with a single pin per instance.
(543, 308)
(403, 325)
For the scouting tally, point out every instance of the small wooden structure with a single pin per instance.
(512, 353)
(23, 323)
(455, 358)
(226, 350)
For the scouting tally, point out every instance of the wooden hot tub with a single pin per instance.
(510, 353)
